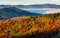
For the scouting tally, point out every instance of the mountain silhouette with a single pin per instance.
(33, 6)
(39, 6)
(14, 12)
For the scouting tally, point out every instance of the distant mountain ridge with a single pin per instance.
(9, 11)
(39, 6)
(33, 6)
(15, 12)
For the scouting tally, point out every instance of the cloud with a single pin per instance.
(52, 11)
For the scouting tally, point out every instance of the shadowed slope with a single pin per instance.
(14, 12)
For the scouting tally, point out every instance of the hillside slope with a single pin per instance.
(29, 26)
(15, 12)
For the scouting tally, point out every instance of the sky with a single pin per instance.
(28, 2)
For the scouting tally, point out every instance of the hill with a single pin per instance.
(10, 12)
(44, 26)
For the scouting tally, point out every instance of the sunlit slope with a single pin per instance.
(26, 25)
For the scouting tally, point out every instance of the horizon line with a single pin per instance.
(28, 4)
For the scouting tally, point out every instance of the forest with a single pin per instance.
(30, 25)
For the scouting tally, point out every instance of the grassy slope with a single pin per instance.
(26, 25)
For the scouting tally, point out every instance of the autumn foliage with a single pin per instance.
(24, 25)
